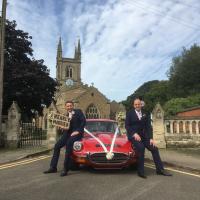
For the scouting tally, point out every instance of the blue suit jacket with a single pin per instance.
(134, 125)
(77, 122)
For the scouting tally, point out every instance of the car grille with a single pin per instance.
(100, 158)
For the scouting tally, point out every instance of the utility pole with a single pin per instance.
(2, 39)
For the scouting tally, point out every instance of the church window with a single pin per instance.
(92, 112)
(69, 72)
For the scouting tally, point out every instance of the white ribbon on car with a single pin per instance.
(109, 154)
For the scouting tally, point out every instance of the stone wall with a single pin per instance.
(175, 132)
(182, 132)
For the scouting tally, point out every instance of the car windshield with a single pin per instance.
(101, 126)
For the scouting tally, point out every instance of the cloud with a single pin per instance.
(124, 43)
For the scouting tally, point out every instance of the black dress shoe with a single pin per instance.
(142, 175)
(163, 172)
(50, 170)
(64, 173)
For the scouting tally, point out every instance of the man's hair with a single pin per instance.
(69, 101)
(136, 98)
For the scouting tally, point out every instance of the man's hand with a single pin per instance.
(152, 142)
(60, 127)
(137, 137)
(75, 133)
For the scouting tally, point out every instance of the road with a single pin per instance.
(24, 180)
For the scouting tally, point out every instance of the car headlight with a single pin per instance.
(77, 146)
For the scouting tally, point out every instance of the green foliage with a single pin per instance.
(26, 80)
(159, 92)
(184, 74)
(181, 91)
(140, 92)
(151, 92)
(179, 104)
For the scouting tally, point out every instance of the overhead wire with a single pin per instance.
(146, 7)
(167, 57)
(185, 4)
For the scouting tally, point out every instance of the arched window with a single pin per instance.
(168, 126)
(92, 112)
(199, 126)
(180, 127)
(187, 127)
(175, 127)
(69, 71)
(194, 127)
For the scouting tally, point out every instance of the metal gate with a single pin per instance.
(31, 135)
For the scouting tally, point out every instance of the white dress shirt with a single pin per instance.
(139, 114)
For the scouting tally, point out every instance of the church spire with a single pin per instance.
(79, 50)
(77, 54)
(59, 49)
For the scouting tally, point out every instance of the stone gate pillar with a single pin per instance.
(158, 126)
(13, 131)
(51, 130)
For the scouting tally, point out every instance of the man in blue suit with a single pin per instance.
(74, 133)
(139, 132)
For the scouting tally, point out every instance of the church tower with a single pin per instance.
(68, 70)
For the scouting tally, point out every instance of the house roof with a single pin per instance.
(189, 109)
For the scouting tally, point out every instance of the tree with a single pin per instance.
(151, 92)
(26, 80)
(179, 104)
(140, 92)
(184, 74)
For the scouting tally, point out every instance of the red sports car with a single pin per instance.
(103, 146)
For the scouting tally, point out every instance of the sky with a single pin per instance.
(124, 43)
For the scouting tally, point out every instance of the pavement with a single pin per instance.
(187, 159)
(12, 155)
(182, 158)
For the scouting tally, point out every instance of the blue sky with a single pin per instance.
(124, 42)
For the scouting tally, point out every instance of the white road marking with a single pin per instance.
(23, 162)
(174, 170)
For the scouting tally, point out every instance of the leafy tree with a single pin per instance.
(151, 92)
(26, 80)
(159, 92)
(184, 74)
(140, 92)
(179, 104)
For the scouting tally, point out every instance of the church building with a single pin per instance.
(88, 98)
